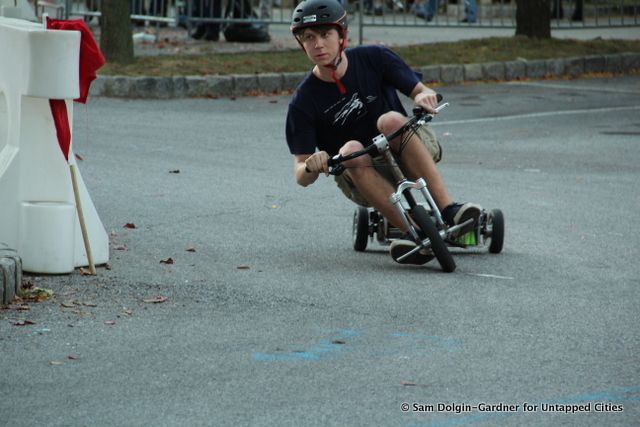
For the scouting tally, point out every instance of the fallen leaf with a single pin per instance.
(407, 383)
(43, 294)
(68, 304)
(36, 294)
(82, 313)
(190, 249)
(175, 171)
(243, 267)
(72, 357)
(338, 342)
(155, 300)
(23, 323)
(166, 261)
(89, 304)
(56, 362)
(129, 225)
(78, 156)
(17, 307)
(121, 248)
(127, 312)
(109, 322)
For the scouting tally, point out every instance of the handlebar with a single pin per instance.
(420, 117)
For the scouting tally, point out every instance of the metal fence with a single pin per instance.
(364, 13)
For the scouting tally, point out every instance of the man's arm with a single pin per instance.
(307, 167)
(424, 97)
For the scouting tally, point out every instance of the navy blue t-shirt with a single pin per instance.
(319, 117)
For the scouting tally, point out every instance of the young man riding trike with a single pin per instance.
(336, 124)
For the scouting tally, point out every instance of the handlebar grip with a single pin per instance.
(331, 162)
(335, 165)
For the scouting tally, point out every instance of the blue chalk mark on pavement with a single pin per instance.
(322, 349)
(410, 345)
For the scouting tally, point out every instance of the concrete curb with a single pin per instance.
(216, 86)
(10, 274)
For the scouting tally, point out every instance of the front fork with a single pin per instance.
(404, 190)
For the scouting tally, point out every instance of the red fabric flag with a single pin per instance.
(61, 120)
(91, 59)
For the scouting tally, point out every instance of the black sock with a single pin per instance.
(449, 212)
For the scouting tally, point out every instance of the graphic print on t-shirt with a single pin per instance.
(348, 110)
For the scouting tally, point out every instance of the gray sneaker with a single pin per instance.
(464, 213)
(400, 247)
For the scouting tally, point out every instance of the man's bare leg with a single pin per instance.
(373, 186)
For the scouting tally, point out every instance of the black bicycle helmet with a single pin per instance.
(311, 13)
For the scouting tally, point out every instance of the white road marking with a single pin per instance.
(536, 115)
(573, 88)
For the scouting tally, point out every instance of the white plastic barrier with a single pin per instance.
(37, 204)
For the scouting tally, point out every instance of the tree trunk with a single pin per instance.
(116, 40)
(533, 18)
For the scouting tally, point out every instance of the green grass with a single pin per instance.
(462, 52)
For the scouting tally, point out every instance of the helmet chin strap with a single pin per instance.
(336, 64)
(334, 74)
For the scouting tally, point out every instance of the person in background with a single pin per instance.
(209, 31)
(577, 12)
(470, 11)
(429, 11)
(557, 11)
(139, 7)
(373, 7)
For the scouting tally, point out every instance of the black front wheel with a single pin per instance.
(439, 248)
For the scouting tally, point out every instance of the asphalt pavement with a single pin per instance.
(267, 316)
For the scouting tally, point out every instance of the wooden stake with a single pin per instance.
(83, 227)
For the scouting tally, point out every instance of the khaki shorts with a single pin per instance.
(344, 182)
